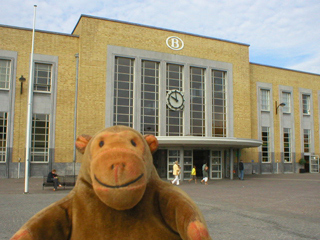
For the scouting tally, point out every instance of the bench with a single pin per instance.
(66, 181)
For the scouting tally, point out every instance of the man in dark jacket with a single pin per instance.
(53, 178)
(241, 170)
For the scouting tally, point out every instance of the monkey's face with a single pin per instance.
(120, 168)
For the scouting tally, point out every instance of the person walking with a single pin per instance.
(241, 170)
(205, 175)
(193, 174)
(203, 168)
(176, 172)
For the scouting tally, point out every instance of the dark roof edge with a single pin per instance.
(159, 28)
(37, 30)
(288, 69)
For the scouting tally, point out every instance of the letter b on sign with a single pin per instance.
(175, 43)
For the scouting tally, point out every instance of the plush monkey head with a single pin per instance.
(119, 163)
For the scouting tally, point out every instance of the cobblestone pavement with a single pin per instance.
(277, 206)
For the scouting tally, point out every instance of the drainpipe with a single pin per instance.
(75, 117)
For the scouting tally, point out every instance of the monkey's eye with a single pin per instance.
(101, 143)
(133, 143)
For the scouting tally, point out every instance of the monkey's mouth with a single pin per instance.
(118, 186)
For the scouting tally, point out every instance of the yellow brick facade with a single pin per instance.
(91, 38)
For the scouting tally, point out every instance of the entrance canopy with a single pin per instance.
(192, 141)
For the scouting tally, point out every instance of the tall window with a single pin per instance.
(5, 73)
(286, 98)
(306, 104)
(42, 77)
(287, 145)
(174, 118)
(265, 145)
(123, 91)
(3, 135)
(40, 138)
(197, 98)
(149, 97)
(219, 104)
(306, 140)
(265, 100)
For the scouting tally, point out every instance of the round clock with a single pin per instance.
(175, 100)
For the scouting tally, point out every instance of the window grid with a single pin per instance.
(5, 73)
(265, 100)
(306, 104)
(3, 135)
(149, 97)
(123, 91)
(197, 104)
(287, 145)
(306, 140)
(174, 118)
(219, 104)
(42, 77)
(286, 99)
(265, 149)
(40, 138)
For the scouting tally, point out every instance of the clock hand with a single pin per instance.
(175, 98)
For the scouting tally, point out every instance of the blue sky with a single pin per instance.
(281, 33)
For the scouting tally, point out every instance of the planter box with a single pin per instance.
(301, 170)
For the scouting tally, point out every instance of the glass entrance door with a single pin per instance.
(187, 163)
(314, 164)
(216, 164)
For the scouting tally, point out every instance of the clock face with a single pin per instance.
(175, 100)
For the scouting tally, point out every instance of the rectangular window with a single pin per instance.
(42, 77)
(265, 149)
(5, 73)
(265, 100)
(286, 99)
(197, 102)
(219, 109)
(149, 97)
(306, 140)
(3, 135)
(123, 91)
(40, 138)
(306, 104)
(287, 145)
(174, 82)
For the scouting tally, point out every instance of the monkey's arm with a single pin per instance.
(53, 222)
(182, 215)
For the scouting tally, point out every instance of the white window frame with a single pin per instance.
(45, 153)
(4, 134)
(5, 72)
(268, 145)
(38, 87)
(265, 99)
(286, 98)
(288, 158)
(306, 104)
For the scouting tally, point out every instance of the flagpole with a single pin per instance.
(29, 116)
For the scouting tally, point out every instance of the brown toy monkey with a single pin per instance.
(118, 195)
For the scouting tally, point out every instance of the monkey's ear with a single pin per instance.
(152, 142)
(82, 142)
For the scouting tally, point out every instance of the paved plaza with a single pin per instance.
(277, 206)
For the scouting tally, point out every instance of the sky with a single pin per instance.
(281, 33)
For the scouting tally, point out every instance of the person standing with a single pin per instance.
(193, 174)
(241, 170)
(176, 172)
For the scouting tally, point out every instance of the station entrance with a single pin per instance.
(164, 160)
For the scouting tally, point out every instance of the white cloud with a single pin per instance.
(280, 33)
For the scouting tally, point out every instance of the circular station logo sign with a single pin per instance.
(175, 43)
